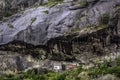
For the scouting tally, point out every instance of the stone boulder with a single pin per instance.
(108, 77)
(13, 63)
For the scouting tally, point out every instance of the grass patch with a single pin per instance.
(50, 3)
(100, 26)
(33, 20)
(96, 27)
(53, 2)
(10, 25)
(46, 11)
(83, 3)
(118, 61)
(74, 30)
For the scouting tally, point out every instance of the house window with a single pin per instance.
(56, 67)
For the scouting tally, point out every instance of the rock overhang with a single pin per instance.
(37, 26)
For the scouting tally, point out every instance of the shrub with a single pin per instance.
(33, 20)
(114, 70)
(79, 69)
(83, 3)
(73, 30)
(104, 18)
(118, 61)
(10, 25)
(60, 77)
(46, 11)
(8, 13)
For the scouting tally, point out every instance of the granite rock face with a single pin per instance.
(72, 30)
(37, 26)
(13, 4)
(15, 63)
(10, 7)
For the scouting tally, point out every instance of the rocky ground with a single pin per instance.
(84, 31)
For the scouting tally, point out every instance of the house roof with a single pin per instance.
(57, 64)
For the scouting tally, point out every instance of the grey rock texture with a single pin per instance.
(10, 7)
(75, 30)
(10, 4)
(16, 62)
(37, 26)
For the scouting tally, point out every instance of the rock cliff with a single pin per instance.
(63, 30)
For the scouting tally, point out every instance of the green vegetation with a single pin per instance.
(51, 3)
(8, 14)
(97, 27)
(58, 1)
(65, 34)
(100, 26)
(104, 69)
(83, 3)
(33, 20)
(104, 18)
(73, 30)
(118, 61)
(117, 6)
(46, 11)
(75, 74)
(10, 26)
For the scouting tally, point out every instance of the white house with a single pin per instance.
(57, 67)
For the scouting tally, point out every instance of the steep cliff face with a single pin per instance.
(36, 26)
(10, 7)
(64, 30)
